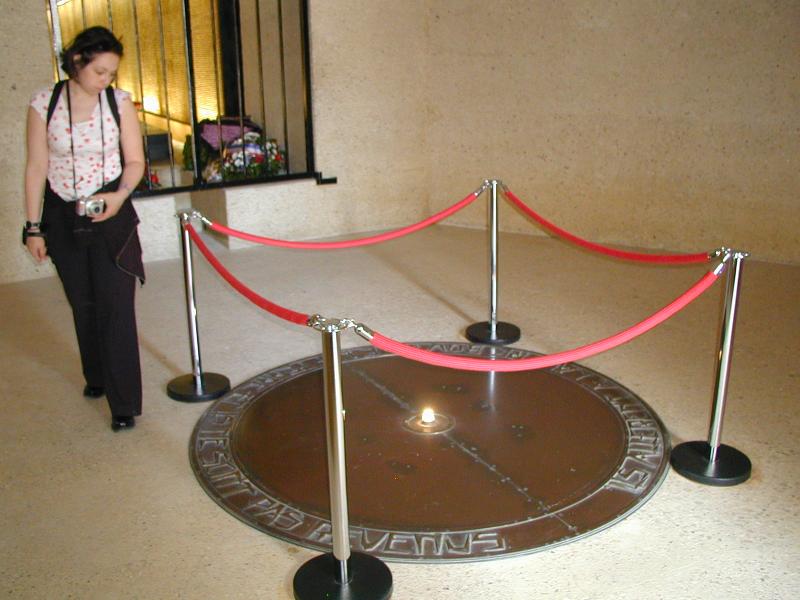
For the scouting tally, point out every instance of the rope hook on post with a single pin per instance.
(712, 462)
(340, 574)
(494, 332)
(196, 386)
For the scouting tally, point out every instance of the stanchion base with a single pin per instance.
(213, 385)
(690, 459)
(505, 333)
(370, 579)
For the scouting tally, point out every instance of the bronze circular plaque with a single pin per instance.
(521, 462)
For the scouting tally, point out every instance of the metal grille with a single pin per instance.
(221, 86)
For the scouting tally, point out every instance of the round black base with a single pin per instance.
(213, 385)
(505, 333)
(370, 579)
(690, 459)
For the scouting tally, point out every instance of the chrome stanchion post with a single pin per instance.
(712, 462)
(341, 574)
(492, 331)
(334, 428)
(493, 262)
(196, 386)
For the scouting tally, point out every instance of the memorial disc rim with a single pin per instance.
(243, 491)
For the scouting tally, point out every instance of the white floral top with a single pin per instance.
(86, 139)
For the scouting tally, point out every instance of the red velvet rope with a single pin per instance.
(654, 258)
(383, 237)
(550, 360)
(275, 309)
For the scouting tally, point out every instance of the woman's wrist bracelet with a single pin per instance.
(31, 230)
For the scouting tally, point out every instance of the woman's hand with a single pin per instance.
(37, 248)
(113, 202)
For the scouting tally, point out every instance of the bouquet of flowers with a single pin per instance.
(231, 148)
(251, 157)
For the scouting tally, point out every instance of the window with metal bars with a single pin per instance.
(222, 86)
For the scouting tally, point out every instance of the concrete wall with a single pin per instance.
(664, 124)
(646, 123)
(25, 67)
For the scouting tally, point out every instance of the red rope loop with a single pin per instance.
(654, 258)
(383, 237)
(275, 309)
(542, 362)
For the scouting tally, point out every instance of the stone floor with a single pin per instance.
(88, 513)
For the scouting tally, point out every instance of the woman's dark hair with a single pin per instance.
(86, 45)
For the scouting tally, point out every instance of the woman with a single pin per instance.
(85, 146)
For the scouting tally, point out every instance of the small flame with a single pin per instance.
(428, 416)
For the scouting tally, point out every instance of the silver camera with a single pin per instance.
(89, 207)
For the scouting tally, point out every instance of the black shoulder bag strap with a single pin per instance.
(112, 104)
(51, 108)
(112, 101)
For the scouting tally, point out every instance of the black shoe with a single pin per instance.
(118, 423)
(93, 391)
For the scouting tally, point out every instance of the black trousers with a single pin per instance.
(102, 299)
